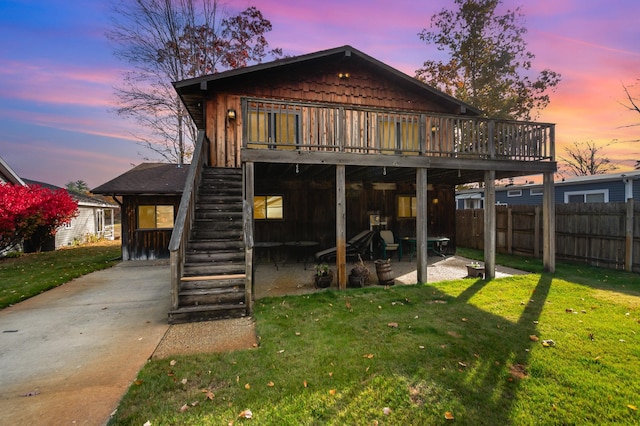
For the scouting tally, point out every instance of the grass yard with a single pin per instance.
(31, 274)
(464, 352)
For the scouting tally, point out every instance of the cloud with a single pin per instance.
(58, 84)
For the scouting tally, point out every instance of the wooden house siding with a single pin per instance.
(144, 244)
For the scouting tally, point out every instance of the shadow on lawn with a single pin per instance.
(490, 381)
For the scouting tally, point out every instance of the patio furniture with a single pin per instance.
(389, 244)
(358, 245)
(301, 249)
(268, 247)
(436, 245)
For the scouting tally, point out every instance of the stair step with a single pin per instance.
(211, 281)
(206, 313)
(191, 270)
(212, 296)
(214, 257)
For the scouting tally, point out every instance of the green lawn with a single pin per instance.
(468, 349)
(31, 274)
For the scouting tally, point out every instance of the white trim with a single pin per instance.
(514, 193)
(585, 193)
(538, 191)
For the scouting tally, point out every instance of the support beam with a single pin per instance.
(549, 223)
(247, 208)
(341, 226)
(490, 224)
(421, 224)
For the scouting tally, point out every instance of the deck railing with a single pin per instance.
(186, 214)
(285, 125)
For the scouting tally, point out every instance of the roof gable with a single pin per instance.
(8, 175)
(341, 58)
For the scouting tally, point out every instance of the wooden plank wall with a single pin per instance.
(594, 233)
(309, 209)
(144, 244)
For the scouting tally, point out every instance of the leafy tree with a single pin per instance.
(585, 159)
(78, 186)
(171, 40)
(32, 212)
(489, 65)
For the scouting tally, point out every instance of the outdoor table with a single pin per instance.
(434, 244)
(302, 249)
(268, 246)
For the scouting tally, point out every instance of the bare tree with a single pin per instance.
(585, 159)
(489, 65)
(171, 40)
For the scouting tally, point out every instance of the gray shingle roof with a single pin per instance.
(148, 179)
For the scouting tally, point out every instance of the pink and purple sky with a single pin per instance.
(57, 72)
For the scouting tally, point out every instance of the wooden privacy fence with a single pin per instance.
(601, 234)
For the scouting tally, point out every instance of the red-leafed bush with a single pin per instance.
(32, 212)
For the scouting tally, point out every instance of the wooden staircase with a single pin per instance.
(212, 285)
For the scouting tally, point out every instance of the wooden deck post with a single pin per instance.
(549, 223)
(247, 208)
(341, 221)
(421, 224)
(490, 224)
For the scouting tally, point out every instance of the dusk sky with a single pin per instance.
(57, 72)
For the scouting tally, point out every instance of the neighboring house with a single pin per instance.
(609, 188)
(7, 175)
(150, 194)
(95, 219)
(303, 151)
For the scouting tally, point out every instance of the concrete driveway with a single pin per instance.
(67, 356)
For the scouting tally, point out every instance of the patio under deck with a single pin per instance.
(292, 278)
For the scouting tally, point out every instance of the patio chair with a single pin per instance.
(389, 244)
(358, 245)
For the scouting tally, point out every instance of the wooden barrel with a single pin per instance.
(384, 272)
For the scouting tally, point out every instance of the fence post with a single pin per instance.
(628, 252)
(509, 230)
(536, 232)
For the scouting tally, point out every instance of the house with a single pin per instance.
(95, 219)
(609, 188)
(305, 151)
(7, 175)
(95, 216)
(149, 196)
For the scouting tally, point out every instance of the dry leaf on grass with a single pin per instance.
(632, 407)
(247, 414)
(534, 338)
(448, 415)
(393, 324)
(518, 371)
(172, 362)
(271, 384)
(369, 356)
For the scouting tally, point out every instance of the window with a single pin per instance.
(69, 225)
(536, 191)
(593, 196)
(407, 206)
(514, 193)
(277, 128)
(399, 135)
(473, 203)
(155, 217)
(268, 207)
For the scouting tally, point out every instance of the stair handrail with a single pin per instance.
(184, 218)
